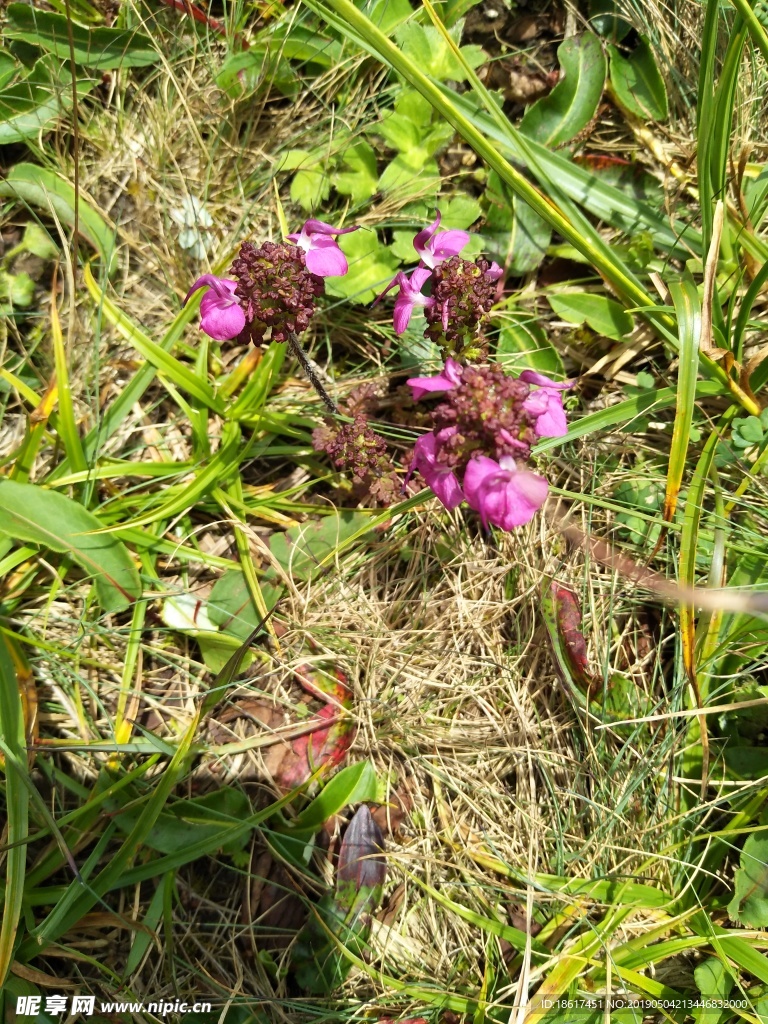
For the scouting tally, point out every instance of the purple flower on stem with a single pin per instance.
(503, 494)
(323, 255)
(409, 296)
(546, 404)
(450, 377)
(434, 246)
(221, 316)
(442, 480)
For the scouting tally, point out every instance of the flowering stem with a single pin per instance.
(312, 375)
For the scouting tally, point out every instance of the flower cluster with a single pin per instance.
(356, 447)
(274, 286)
(462, 291)
(482, 437)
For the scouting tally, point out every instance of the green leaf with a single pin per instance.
(409, 172)
(427, 48)
(185, 822)
(515, 235)
(231, 608)
(749, 905)
(45, 190)
(573, 102)
(100, 48)
(360, 182)
(38, 516)
(604, 18)
(8, 69)
(388, 14)
(37, 241)
(16, 770)
(310, 187)
(357, 783)
(523, 345)
(637, 83)
(36, 101)
(603, 315)
(241, 73)
(16, 289)
(371, 267)
(301, 549)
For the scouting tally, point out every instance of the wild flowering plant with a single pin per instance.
(486, 422)
(479, 449)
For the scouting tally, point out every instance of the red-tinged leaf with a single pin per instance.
(326, 744)
(409, 1020)
(361, 857)
(572, 643)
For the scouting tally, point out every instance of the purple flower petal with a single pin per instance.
(326, 259)
(409, 296)
(420, 240)
(440, 479)
(323, 255)
(532, 377)
(546, 404)
(433, 247)
(501, 493)
(221, 316)
(448, 378)
(402, 314)
(448, 243)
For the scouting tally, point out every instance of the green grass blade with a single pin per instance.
(688, 307)
(17, 802)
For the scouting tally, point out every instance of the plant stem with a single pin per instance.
(312, 373)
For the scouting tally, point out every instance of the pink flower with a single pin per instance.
(546, 404)
(449, 378)
(324, 257)
(503, 494)
(221, 316)
(409, 296)
(434, 246)
(440, 479)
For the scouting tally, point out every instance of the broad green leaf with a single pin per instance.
(45, 190)
(231, 608)
(572, 104)
(515, 234)
(427, 48)
(99, 48)
(184, 822)
(746, 762)
(388, 14)
(36, 101)
(352, 785)
(409, 172)
(38, 516)
(603, 315)
(310, 187)
(302, 548)
(360, 182)
(749, 905)
(241, 73)
(715, 982)
(637, 82)
(8, 69)
(298, 42)
(605, 18)
(371, 267)
(523, 345)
